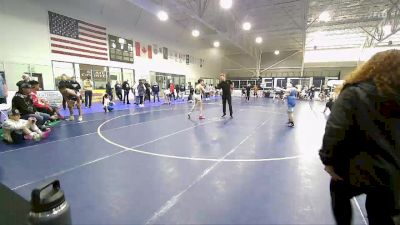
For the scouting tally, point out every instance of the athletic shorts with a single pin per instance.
(290, 109)
(197, 97)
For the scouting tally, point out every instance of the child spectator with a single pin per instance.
(16, 129)
(107, 103)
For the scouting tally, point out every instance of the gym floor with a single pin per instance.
(152, 165)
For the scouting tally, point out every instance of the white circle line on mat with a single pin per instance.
(184, 157)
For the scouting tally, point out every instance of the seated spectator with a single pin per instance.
(42, 105)
(16, 129)
(73, 98)
(107, 103)
(24, 103)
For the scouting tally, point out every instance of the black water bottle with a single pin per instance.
(48, 206)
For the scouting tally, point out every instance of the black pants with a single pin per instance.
(126, 96)
(141, 99)
(119, 95)
(227, 98)
(379, 203)
(148, 96)
(248, 96)
(17, 138)
(158, 97)
(172, 95)
(88, 98)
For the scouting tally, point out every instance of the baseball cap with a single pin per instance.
(13, 112)
(26, 85)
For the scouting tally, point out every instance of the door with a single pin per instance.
(160, 81)
(39, 78)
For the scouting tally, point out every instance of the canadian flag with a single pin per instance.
(137, 48)
(143, 49)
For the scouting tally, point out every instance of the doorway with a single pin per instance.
(39, 78)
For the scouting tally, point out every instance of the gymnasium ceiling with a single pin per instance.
(286, 25)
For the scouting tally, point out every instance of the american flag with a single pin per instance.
(77, 38)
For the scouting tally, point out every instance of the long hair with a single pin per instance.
(383, 69)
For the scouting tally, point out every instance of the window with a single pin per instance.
(115, 75)
(128, 74)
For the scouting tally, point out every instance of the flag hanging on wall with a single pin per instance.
(73, 37)
(155, 49)
(165, 53)
(187, 59)
(137, 48)
(149, 52)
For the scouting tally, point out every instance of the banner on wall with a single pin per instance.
(54, 97)
(85, 73)
(99, 75)
(121, 49)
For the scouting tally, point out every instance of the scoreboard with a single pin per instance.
(121, 49)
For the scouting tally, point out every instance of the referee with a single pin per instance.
(226, 86)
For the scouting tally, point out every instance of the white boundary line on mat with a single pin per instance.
(183, 157)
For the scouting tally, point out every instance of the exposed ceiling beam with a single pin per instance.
(226, 36)
(279, 62)
(240, 65)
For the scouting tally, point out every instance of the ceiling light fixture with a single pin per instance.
(226, 4)
(259, 40)
(276, 52)
(216, 44)
(162, 15)
(246, 26)
(195, 33)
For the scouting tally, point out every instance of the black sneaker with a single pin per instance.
(223, 116)
(291, 124)
(231, 116)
